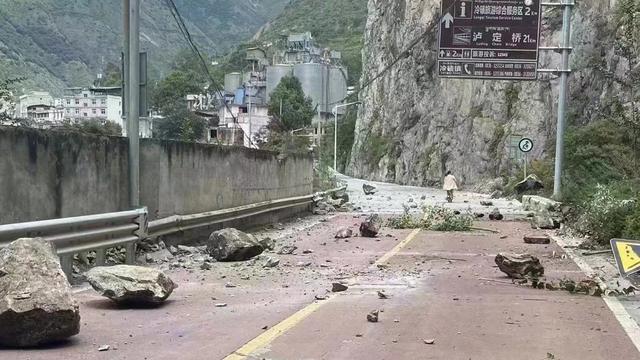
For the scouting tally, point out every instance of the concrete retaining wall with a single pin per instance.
(48, 174)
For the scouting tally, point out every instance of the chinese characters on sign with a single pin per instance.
(489, 39)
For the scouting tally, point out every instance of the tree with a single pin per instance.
(181, 125)
(93, 127)
(7, 105)
(297, 110)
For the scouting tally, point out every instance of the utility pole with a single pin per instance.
(132, 95)
(567, 5)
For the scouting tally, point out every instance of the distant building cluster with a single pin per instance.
(77, 104)
(242, 111)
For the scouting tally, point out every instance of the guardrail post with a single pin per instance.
(131, 253)
(100, 257)
(66, 263)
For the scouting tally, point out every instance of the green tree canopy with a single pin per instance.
(180, 125)
(297, 110)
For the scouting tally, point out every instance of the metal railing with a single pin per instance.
(179, 223)
(100, 232)
(81, 234)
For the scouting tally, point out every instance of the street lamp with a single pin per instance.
(335, 132)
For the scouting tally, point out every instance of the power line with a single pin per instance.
(187, 35)
(404, 54)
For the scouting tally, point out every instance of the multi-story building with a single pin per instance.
(82, 104)
(41, 108)
(30, 99)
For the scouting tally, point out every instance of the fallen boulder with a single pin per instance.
(519, 266)
(36, 303)
(537, 239)
(344, 233)
(369, 189)
(233, 245)
(543, 221)
(371, 226)
(373, 316)
(531, 183)
(135, 285)
(338, 287)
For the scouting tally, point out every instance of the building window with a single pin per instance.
(85, 114)
(77, 111)
(77, 101)
(85, 95)
(93, 101)
(103, 102)
(103, 111)
(94, 111)
(86, 104)
(68, 102)
(68, 111)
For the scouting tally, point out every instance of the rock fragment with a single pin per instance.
(373, 316)
(344, 233)
(338, 287)
(369, 189)
(495, 215)
(371, 226)
(233, 245)
(36, 303)
(537, 239)
(134, 285)
(519, 266)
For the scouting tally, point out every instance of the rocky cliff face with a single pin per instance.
(414, 125)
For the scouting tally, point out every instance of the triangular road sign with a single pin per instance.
(627, 254)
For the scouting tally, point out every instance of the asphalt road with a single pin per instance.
(443, 287)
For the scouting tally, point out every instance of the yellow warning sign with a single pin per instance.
(627, 254)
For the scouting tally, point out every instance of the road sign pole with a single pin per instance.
(562, 100)
(133, 108)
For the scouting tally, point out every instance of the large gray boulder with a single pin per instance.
(135, 285)
(36, 304)
(233, 245)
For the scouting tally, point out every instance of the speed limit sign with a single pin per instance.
(526, 145)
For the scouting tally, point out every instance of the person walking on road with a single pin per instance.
(450, 185)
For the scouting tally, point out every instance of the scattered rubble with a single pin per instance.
(36, 303)
(371, 226)
(519, 266)
(543, 221)
(486, 203)
(537, 239)
(271, 262)
(373, 316)
(382, 295)
(104, 348)
(338, 287)
(344, 233)
(233, 245)
(134, 285)
(369, 189)
(495, 215)
(268, 243)
(429, 341)
(287, 250)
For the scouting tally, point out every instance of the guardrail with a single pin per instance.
(80, 234)
(179, 223)
(100, 232)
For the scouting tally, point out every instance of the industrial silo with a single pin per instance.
(337, 86)
(313, 78)
(275, 73)
(232, 82)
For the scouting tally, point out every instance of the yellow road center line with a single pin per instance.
(398, 247)
(267, 337)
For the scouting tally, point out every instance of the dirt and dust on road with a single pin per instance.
(323, 291)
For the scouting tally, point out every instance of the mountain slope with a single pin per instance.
(65, 43)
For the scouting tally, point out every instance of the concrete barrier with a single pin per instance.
(50, 174)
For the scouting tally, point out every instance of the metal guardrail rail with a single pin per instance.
(80, 234)
(100, 232)
(179, 223)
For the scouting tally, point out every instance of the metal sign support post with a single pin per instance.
(132, 96)
(564, 71)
